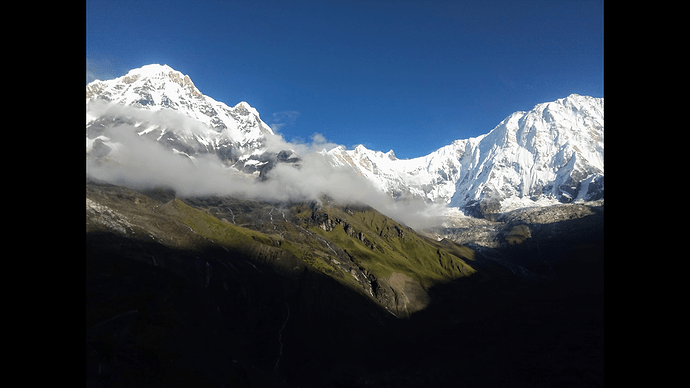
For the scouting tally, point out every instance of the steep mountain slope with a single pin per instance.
(221, 291)
(355, 245)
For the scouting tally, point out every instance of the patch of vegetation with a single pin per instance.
(518, 234)
(310, 254)
(384, 247)
(293, 241)
(346, 243)
(216, 230)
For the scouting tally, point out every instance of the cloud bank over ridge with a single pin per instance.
(141, 162)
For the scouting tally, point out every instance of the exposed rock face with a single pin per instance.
(491, 231)
(406, 295)
(523, 241)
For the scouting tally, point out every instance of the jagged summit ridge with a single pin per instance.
(431, 177)
(163, 100)
(156, 77)
(552, 153)
(156, 87)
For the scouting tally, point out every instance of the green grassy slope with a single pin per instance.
(355, 245)
(374, 242)
(384, 246)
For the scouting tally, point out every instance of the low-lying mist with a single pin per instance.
(140, 162)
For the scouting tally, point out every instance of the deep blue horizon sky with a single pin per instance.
(407, 75)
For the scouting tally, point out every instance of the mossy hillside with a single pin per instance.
(323, 235)
(384, 246)
(369, 239)
(214, 229)
(421, 255)
(313, 254)
(292, 243)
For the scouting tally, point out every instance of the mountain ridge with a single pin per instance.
(550, 154)
(355, 245)
(155, 91)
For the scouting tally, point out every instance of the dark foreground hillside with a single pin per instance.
(200, 314)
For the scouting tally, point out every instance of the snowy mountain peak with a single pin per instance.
(160, 72)
(156, 87)
(186, 120)
(540, 156)
(157, 84)
(245, 109)
(152, 70)
(550, 154)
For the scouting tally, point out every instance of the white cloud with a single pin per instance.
(141, 162)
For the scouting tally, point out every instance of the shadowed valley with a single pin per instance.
(229, 292)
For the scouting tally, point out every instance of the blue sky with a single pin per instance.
(407, 75)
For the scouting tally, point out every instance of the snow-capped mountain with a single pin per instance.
(555, 152)
(171, 110)
(552, 153)
(431, 177)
